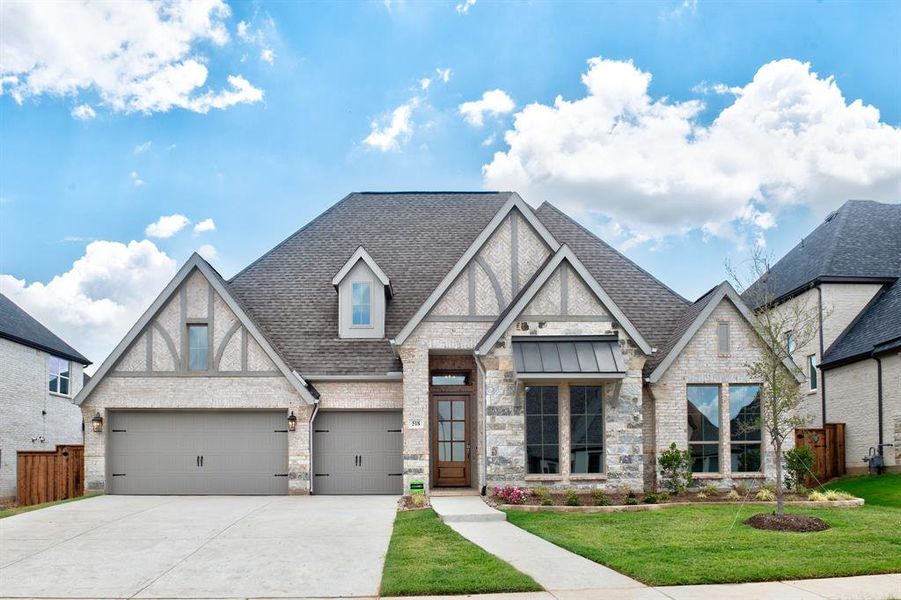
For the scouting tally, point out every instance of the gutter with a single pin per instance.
(310, 434)
(483, 450)
(879, 400)
(822, 353)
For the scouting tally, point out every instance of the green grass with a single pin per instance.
(697, 544)
(881, 490)
(18, 510)
(426, 556)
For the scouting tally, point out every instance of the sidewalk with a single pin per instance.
(567, 576)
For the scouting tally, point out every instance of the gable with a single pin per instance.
(157, 345)
(565, 294)
(493, 277)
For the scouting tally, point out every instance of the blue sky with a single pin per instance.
(320, 78)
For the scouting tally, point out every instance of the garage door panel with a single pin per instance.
(156, 452)
(358, 453)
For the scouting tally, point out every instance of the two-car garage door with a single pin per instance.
(246, 452)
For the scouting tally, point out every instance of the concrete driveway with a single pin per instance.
(198, 547)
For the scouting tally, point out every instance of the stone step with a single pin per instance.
(465, 509)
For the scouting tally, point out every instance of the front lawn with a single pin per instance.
(426, 557)
(699, 544)
(878, 490)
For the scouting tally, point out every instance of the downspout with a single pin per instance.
(310, 433)
(879, 399)
(483, 450)
(822, 350)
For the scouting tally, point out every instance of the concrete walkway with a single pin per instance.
(567, 576)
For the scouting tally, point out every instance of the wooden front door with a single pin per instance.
(450, 435)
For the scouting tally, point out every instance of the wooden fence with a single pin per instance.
(828, 446)
(49, 475)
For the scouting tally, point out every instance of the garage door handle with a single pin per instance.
(198, 460)
(201, 460)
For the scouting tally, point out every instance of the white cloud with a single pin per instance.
(208, 251)
(82, 112)
(684, 8)
(464, 6)
(443, 74)
(142, 148)
(244, 31)
(167, 226)
(204, 226)
(397, 130)
(267, 55)
(425, 83)
(489, 141)
(136, 179)
(93, 304)
(138, 56)
(649, 164)
(495, 102)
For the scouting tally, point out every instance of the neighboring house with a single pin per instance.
(847, 269)
(453, 339)
(39, 376)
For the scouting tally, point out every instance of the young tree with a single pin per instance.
(781, 397)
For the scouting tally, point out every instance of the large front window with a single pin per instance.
(361, 304)
(542, 430)
(59, 376)
(586, 438)
(198, 348)
(704, 427)
(744, 427)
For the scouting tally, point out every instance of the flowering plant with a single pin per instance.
(511, 495)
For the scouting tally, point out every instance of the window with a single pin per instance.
(586, 426)
(542, 430)
(722, 337)
(790, 343)
(744, 427)
(59, 376)
(450, 378)
(198, 348)
(704, 427)
(812, 372)
(361, 304)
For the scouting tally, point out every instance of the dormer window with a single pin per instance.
(363, 293)
(361, 296)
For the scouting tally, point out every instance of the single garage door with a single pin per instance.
(198, 452)
(358, 453)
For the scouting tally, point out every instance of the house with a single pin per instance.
(847, 270)
(448, 339)
(40, 374)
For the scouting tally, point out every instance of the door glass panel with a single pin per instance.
(444, 431)
(442, 451)
(459, 410)
(458, 451)
(444, 410)
(459, 431)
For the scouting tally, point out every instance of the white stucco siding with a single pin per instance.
(29, 411)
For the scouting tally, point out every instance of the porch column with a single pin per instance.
(415, 361)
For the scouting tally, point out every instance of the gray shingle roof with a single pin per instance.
(878, 326)
(415, 237)
(688, 316)
(651, 306)
(18, 326)
(862, 239)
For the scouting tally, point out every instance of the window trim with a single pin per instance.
(745, 443)
(50, 361)
(719, 441)
(813, 376)
(209, 357)
(370, 324)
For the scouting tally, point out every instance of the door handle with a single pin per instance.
(201, 460)
(198, 460)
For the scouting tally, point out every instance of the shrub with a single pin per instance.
(770, 487)
(765, 494)
(417, 500)
(711, 490)
(675, 469)
(571, 498)
(701, 496)
(600, 497)
(798, 463)
(631, 501)
(733, 495)
(743, 489)
(546, 501)
(817, 496)
(541, 492)
(833, 495)
(651, 498)
(511, 495)
(663, 496)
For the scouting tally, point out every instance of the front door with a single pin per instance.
(450, 435)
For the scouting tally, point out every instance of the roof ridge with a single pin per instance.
(431, 192)
(623, 256)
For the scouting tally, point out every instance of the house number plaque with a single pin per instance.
(414, 424)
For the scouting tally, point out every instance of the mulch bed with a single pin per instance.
(408, 503)
(799, 523)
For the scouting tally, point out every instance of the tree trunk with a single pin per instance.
(778, 478)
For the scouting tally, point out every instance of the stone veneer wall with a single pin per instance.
(700, 363)
(506, 414)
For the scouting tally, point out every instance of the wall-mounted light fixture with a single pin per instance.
(292, 422)
(97, 423)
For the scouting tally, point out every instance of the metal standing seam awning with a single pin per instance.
(568, 357)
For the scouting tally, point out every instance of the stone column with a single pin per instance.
(94, 450)
(415, 361)
(299, 467)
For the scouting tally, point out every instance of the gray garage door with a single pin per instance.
(198, 452)
(358, 453)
